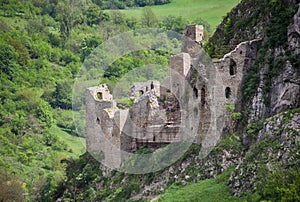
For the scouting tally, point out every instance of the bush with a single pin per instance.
(236, 116)
(64, 119)
(283, 186)
(229, 107)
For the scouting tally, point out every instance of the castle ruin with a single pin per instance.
(161, 112)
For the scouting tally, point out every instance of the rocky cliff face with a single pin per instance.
(276, 149)
(252, 19)
(285, 88)
(272, 128)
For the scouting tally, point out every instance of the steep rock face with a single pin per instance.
(277, 146)
(294, 34)
(257, 107)
(273, 142)
(285, 90)
(252, 19)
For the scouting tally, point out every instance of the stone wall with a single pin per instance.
(192, 40)
(233, 66)
(181, 63)
(194, 96)
(194, 32)
(104, 125)
(139, 88)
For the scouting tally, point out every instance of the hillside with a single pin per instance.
(43, 45)
(258, 157)
(210, 11)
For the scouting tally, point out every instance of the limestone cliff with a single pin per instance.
(270, 91)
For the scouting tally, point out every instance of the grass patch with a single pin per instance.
(211, 11)
(206, 190)
(75, 144)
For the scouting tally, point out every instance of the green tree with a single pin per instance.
(21, 51)
(117, 18)
(93, 14)
(144, 2)
(88, 45)
(283, 186)
(148, 18)
(62, 95)
(174, 23)
(67, 12)
(44, 113)
(8, 58)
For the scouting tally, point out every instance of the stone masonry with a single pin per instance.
(160, 112)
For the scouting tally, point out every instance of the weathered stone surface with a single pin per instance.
(285, 90)
(276, 143)
(294, 33)
(233, 66)
(189, 106)
(258, 108)
(192, 39)
(139, 88)
(181, 63)
(194, 32)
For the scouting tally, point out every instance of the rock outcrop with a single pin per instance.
(276, 146)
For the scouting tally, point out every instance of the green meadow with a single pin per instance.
(75, 144)
(211, 11)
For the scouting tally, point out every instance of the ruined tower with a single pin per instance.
(104, 125)
(192, 40)
(194, 32)
(160, 111)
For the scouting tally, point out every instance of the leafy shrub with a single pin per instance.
(229, 107)
(283, 186)
(236, 116)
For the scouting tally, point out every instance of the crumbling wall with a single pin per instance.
(233, 66)
(140, 88)
(192, 40)
(104, 126)
(161, 113)
(151, 122)
(194, 32)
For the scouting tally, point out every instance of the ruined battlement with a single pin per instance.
(234, 65)
(160, 114)
(139, 88)
(101, 93)
(194, 32)
(181, 63)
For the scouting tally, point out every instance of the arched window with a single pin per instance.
(227, 92)
(141, 93)
(232, 67)
(152, 85)
(195, 92)
(98, 120)
(203, 97)
(100, 95)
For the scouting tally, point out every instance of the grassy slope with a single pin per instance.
(211, 11)
(77, 144)
(206, 190)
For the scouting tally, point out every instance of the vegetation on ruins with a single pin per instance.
(43, 44)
